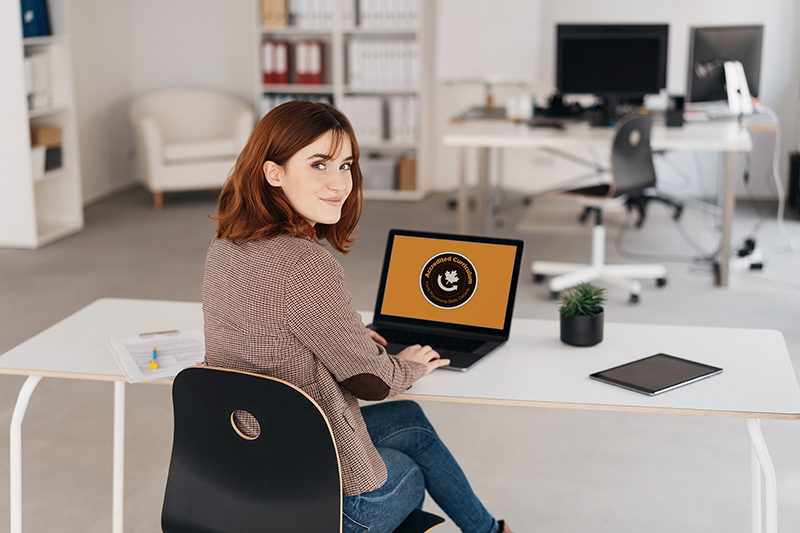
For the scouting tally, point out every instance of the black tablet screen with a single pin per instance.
(657, 373)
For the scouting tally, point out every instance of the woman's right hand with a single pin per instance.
(425, 355)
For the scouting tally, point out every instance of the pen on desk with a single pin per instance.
(158, 333)
(154, 360)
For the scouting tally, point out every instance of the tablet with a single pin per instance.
(656, 374)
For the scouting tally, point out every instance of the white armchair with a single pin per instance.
(188, 138)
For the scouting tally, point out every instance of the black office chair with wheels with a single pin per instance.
(282, 477)
(632, 179)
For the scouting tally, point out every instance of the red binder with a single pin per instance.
(308, 62)
(275, 61)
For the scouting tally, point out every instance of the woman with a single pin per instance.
(275, 303)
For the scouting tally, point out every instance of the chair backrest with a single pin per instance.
(631, 159)
(190, 114)
(220, 480)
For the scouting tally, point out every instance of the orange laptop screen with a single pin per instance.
(451, 281)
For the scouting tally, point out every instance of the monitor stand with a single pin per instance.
(740, 102)
(611, 108)
(606, 115)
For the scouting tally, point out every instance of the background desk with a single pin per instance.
(533, 369)
(727, 137)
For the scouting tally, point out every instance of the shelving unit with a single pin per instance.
(35, 212)
(344, 28)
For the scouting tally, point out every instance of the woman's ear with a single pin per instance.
(273, 172)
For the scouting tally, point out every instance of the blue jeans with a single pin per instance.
(416, 459)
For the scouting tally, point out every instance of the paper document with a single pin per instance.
(174, 351)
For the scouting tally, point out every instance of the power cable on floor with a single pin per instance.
(705, 256)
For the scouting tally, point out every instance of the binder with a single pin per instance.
(29, 22)
(411, 122)
(268, 61)
(396, 119)
(275, 61)
(281, 62)
(298, 16)
(29, 83)
(308, 62)
(355, 69)
(42, 94)
(349, 16)
(35, 19)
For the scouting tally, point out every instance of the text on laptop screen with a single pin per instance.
(449, 281)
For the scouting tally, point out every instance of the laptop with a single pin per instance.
(452, 292)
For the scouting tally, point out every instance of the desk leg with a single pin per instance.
(15, 445)
(761, 462)
(480, 191)
(728, 208)
(119, 457)
(463, 201)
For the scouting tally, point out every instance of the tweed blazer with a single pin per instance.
(280, 307)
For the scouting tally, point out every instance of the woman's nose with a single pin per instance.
(338, 182)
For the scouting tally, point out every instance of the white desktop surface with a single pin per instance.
(719, 135)
(77, 347)
(534, 368)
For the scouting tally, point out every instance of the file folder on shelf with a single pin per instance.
(308, 62)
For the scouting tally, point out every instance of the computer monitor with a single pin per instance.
(710, 48)
(617, 62)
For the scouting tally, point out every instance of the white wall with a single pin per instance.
(779, 80)
(125, 48)
(100, 36)
(184, 42)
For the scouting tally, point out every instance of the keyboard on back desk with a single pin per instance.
(438, 342)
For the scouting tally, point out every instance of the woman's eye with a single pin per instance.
(319, 166)
(345, 166)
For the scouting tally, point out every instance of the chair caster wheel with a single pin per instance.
(538, 278)
(555, 295)
(634, 299)
(660, 282)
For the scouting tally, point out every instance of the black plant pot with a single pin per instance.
(582, 330)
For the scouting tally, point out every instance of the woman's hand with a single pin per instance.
(377, 338)
(425, 355)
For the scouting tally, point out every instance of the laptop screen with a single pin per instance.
(456, 280)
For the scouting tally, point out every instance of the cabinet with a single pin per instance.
(37, 208)
(376, 62)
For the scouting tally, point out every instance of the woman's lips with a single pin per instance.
(335, 202)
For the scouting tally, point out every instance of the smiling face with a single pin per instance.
(316, 180)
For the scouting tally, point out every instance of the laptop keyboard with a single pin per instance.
(438, 342)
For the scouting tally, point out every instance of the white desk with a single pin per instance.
(727, 137)
(77, 348)
(533, 369)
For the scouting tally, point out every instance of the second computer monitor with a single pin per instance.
(611, 60)
(710, 48)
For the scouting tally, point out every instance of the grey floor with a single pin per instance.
(542, 470)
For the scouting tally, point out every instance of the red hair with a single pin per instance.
(250, 208)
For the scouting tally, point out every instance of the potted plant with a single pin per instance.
(582, 315)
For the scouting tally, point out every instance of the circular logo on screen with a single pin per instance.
(448, 280)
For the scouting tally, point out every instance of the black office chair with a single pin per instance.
(286, 478)
(632, 181)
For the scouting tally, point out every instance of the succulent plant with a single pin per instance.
(585, 299)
